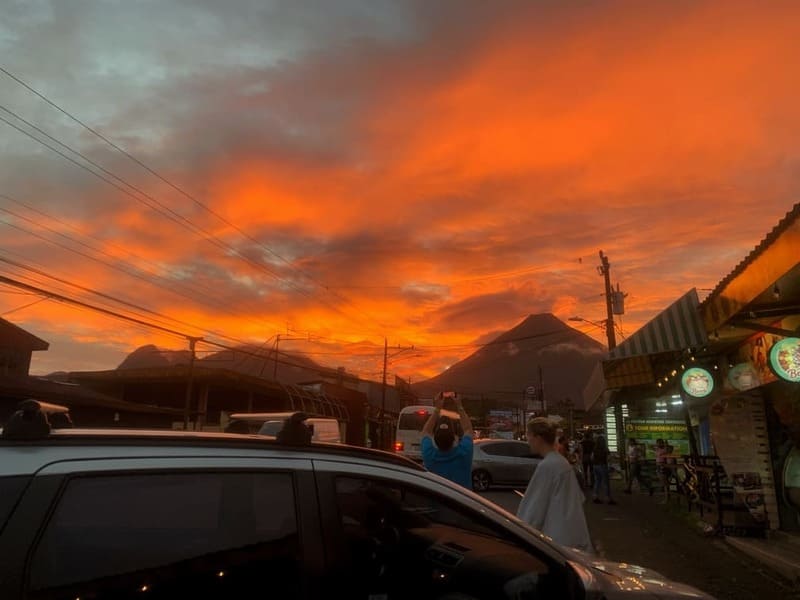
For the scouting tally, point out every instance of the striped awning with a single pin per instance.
(674, 329)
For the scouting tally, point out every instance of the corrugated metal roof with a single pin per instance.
(787, 221)
(675, 328)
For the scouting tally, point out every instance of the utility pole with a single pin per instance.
(605, 271)
(386, 358)
(188, 405)
(275, 370)
(541, 392)
(286, 338)
(383, 394)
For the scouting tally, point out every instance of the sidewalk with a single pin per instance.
(780, 552)
(667, 539)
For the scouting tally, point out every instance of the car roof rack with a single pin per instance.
(22, 428)
(29, 421)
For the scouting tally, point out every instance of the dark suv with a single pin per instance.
(147, 514)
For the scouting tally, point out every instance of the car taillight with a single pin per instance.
(399, 446)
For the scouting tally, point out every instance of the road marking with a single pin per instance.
(518, 493)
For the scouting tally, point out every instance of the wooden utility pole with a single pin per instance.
(605, 271)
(187, 409)
(383, 395)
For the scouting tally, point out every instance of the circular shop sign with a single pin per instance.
(697, 382)
(743, 377)
(784, 358)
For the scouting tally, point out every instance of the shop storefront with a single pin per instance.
(727, 372)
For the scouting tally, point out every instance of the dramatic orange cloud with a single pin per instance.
(432, 177)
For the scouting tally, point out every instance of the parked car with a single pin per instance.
(324, 429)
(502, 462)
(172, 514)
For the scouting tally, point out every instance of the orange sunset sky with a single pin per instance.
(428, 172)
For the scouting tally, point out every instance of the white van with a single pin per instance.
(325, 430)
(409, 429)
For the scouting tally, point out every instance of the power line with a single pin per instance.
(137, 321)
(160, 207)
(178, 189)
(111, 313)
(28, 305)
(198, 292)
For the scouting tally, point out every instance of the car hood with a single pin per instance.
(604, 578)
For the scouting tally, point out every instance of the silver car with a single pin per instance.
(502, 462)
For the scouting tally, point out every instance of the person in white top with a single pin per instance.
(553, 502)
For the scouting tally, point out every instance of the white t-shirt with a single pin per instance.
(553, 503)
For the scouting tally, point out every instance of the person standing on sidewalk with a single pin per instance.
(441, 454)
(662, 450)
(553, 501)
(587, 447)
(635, 459)
(601, 476)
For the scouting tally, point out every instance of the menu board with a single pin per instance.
(739, 436)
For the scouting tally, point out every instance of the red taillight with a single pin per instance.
(422, 412)
(399, 446)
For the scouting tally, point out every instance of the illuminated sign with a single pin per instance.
(784, 358)
(697, 382)
(743, 377)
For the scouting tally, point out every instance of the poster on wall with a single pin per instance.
(647, 431)
(748, 492)
(755, 352)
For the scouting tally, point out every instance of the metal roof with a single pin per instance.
(785, 223)
(13, 335)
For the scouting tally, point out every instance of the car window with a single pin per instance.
(520, 450)
(170, 534)
(507, 449)
(493, 449)
(417, 543)
(11, 489)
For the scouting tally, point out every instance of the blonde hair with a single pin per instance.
(543, 428)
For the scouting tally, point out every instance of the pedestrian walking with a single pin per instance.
(662, 451)
(553, 501)
(587, 447)
(602, 481)
(635, 460)
(442, 452)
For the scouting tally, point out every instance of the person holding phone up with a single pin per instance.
(442, 453)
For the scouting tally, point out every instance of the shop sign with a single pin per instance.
(647, 431)
(697, 382)
(743, 377)
(784, 358)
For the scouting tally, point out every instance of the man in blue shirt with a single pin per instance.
(441, 452)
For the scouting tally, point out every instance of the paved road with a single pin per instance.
(641, 531)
